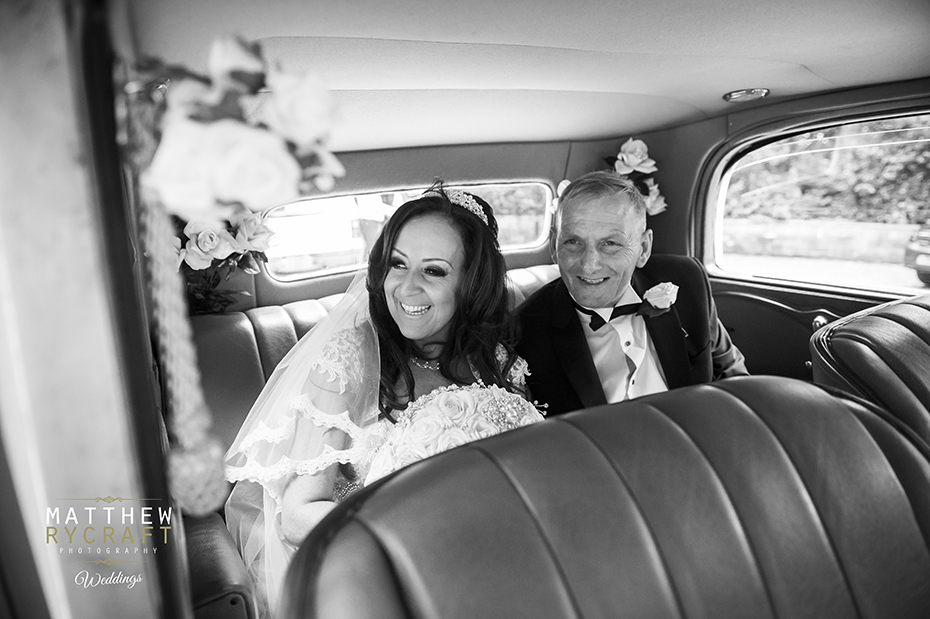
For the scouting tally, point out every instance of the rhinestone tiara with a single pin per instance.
(464, 200)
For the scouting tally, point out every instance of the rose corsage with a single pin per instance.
(659, 299)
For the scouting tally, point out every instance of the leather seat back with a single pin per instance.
(881, 354)
(751, 497)
(238, 351)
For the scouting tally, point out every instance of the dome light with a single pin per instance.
(745, 94)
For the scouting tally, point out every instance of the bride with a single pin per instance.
(417, 358)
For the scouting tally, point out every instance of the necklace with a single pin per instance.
(431, 364)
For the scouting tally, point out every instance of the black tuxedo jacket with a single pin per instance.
(691, 344)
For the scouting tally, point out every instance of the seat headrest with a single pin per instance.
(750, 497)
(883, 355)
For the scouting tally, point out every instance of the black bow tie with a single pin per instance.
(621, 310)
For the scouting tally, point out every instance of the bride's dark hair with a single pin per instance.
(482, 317)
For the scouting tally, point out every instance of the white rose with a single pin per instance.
(456, 405)
(662, 296)
(194, 258)
(452, 437)
(477, 426)
(300, 108)
(655, 202)
(186, 97)
(252, 234)
(235, 63)
(253, 166)
(634, 156)
(425, 430)
(407, 452)
(180, 175)
(207, 241)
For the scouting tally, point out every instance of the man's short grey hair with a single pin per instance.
(603, 184)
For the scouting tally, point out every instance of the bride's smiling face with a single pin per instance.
(427, 264)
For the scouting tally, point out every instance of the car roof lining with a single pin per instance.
(440, 72)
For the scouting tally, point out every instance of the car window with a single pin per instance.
(323, 235)
(844, 205)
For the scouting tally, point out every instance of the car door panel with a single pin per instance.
(772, 325)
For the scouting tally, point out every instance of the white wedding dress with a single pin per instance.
(329, 382)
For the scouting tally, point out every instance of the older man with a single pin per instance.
(590, 337)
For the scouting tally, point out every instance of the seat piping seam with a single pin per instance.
(752, 549)
(655, 543)
(536, 523)
(810, 497)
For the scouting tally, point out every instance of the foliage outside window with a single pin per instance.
(841, 205)
(321, 235)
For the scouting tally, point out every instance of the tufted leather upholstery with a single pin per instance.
(881, 354)
(750, 497)
(237, 352)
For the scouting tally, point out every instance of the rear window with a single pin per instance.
(318, 236)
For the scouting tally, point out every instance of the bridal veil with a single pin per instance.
(329, 380)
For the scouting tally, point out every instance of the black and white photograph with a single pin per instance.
(383, 309)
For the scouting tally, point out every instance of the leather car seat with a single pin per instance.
(883, 355)
(750, 497)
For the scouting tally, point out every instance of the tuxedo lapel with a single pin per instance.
(668, 337)
(571, 348)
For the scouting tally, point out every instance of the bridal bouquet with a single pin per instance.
(215, 167)
(633, 163)
(446, 418)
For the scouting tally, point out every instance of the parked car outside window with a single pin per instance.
(917, 253)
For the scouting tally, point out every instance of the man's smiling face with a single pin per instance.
(597, 245)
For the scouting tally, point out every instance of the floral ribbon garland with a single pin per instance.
(633, 163)
(195, 462)
(200, 161)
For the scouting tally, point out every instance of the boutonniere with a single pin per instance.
(659, 299)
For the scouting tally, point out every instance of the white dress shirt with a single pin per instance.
(623, 353)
